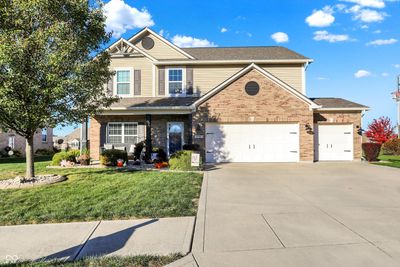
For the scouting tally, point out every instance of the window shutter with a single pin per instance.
(189, 81)
(137, 83)
(141, 132)
(103, 134)
(161, 81)
(110, 85)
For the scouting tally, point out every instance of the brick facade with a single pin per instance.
(348, 117)
(19, 141)
(272, 104)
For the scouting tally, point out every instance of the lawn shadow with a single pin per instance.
(97, 247)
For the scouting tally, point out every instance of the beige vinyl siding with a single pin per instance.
(160, 50)
(290, 74)
(205, 78)
(208, 77)
(138, 63)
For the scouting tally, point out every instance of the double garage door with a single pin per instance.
(252, 142)
(274, 142)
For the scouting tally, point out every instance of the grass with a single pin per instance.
(97, 194)
(135, 261)
(389, 160)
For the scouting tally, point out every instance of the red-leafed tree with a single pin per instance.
(380, 130)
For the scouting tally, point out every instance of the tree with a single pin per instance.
(48, 75)
(380, 130)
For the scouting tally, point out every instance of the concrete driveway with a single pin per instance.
(322, 214)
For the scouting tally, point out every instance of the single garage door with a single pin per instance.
(252, 142)
(334, 142)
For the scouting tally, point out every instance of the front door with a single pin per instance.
(175, 137)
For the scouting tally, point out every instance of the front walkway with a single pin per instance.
(70, 241)
(323, 214)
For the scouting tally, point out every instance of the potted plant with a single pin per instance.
(84, 158)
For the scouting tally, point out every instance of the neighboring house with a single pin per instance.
(70, 141)
(42, 140)
(239, 104)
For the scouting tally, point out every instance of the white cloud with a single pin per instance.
(224, 29)
(280, 37)
(121, 17)
(362, 74)
(383, 42)
(368, 3)
(329, 37)
(397, 66)
(364, 27)
(377, 31)
(321, 18)
(322, 78)
(249, 34)
(385, 74)
(188, 41)
(365, 14)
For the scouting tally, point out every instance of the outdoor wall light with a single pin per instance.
(309, 129)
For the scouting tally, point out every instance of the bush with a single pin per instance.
(192, 147)
(65, 155)
(109, 157)
(371, 151)
(44, 152)
(182, 160)
(138, 150)
(392, 147)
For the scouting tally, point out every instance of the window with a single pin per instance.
(123, 133)
(11, 142)
(123, 82)
(44, 135)
(175, 81)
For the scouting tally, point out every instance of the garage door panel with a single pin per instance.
(252, 143)
(334, 142)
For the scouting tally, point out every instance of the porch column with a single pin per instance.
(84, 135)
(148, 136)
(190, 126)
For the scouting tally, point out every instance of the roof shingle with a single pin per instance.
(333, 102)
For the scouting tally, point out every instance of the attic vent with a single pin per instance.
(147, 43)
(252, 88)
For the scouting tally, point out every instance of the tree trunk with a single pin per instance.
(30, 167)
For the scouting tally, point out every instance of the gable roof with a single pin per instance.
(268, 75)
(334, 103)
(245, 53)
(135, 48)
(148, 30)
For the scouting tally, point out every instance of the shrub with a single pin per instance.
(182, 160)
(392, 147)
(109, 157)
(84, 158)
(371, 151)
(161, 155)
(380, 130)
(192, 147)
(138, 150)
(65, 155)
(44, 152)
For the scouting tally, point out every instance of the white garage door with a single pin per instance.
(252, 142)
(334, 142)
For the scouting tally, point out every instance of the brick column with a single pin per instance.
(94, 133)
(148, 136)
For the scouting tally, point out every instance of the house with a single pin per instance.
(239, 104)
(69, 141)
(42, 140)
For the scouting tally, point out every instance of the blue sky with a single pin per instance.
(354, 43)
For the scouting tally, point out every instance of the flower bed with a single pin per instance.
(22, 182)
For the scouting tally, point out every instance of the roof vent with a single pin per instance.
(252, 88)
(147, 43)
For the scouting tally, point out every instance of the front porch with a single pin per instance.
(168, 132)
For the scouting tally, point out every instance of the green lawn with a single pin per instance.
(94, 194)
(136, 261)
(388, 160)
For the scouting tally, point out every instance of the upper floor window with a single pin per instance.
(175, 81)
(123, 82)
(44, 135)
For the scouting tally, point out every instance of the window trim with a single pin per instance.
(131, 82)
(183, 69)
(122, 131)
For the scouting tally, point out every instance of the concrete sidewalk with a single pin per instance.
(70, 241)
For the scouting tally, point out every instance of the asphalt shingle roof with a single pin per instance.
(333, 102)
(150, 102)
(244, 53)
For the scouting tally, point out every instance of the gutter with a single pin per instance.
(225, 62)
(344, 109)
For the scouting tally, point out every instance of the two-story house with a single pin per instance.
(239, 104)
